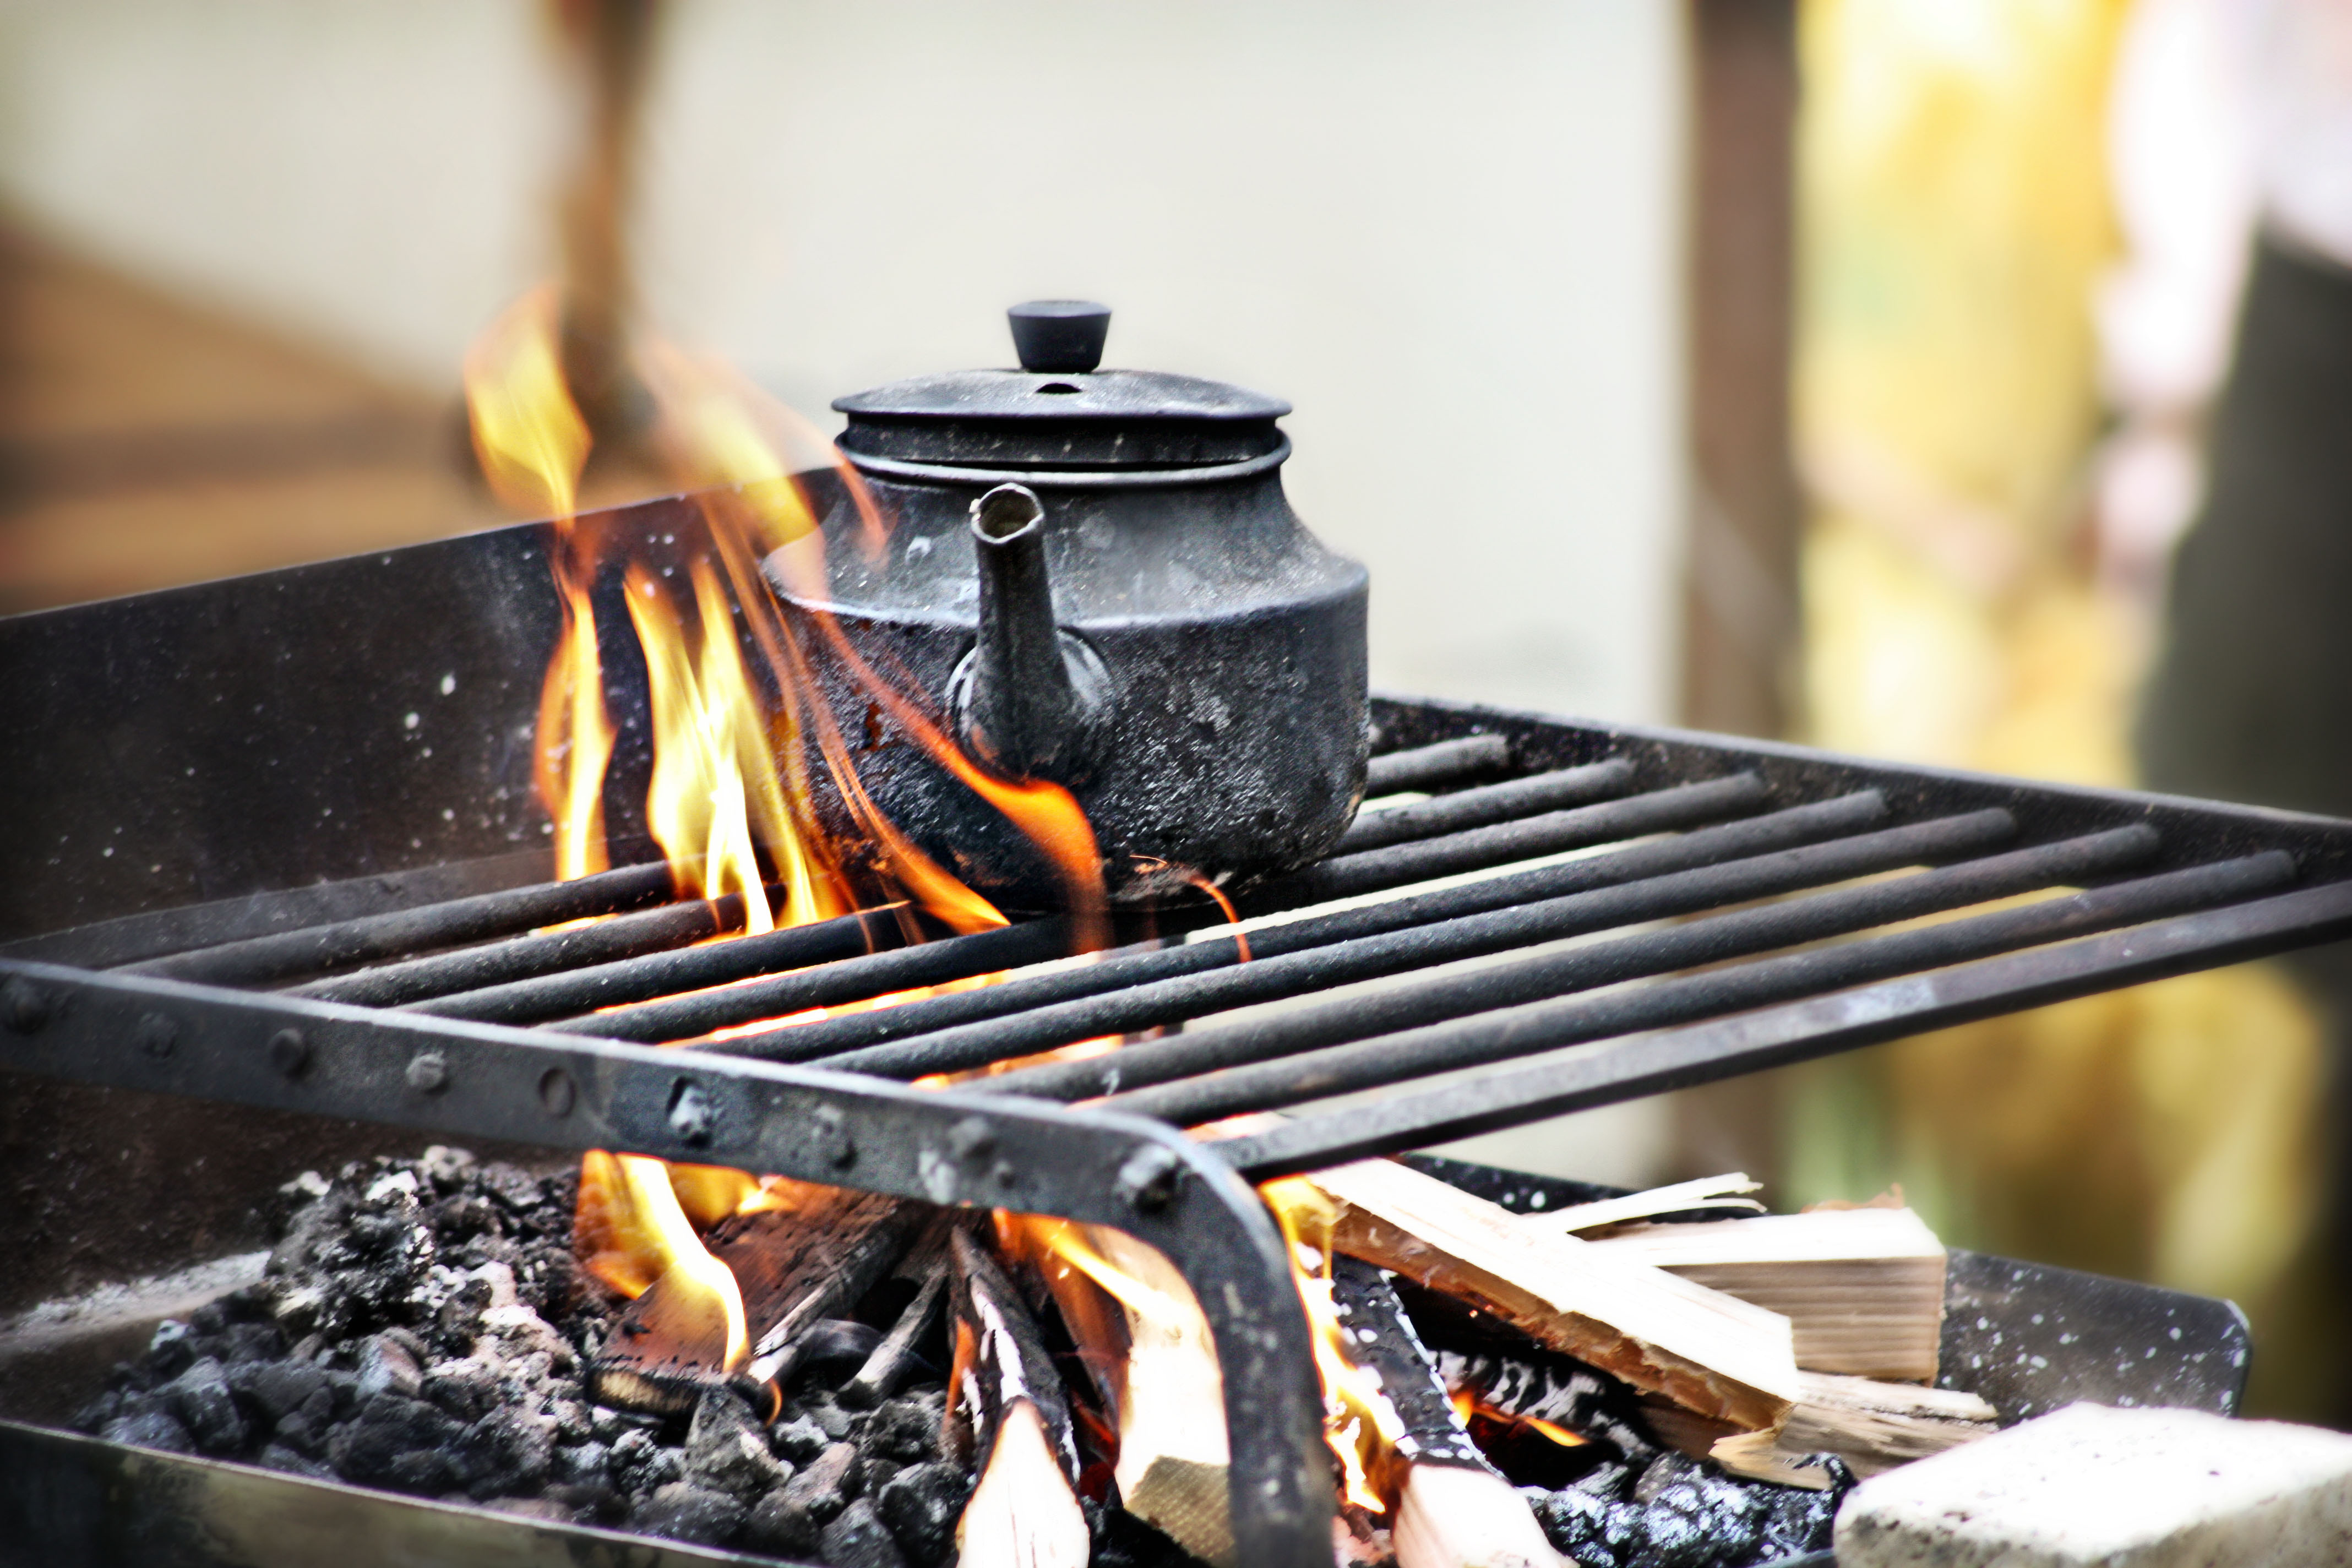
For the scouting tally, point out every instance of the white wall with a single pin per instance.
(1448, 234)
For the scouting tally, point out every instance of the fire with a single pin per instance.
(731, 792)
(1466, 1405)
(1359, 1423)
(533, 444)
(633, 1234)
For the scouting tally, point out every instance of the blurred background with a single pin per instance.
(1844, 371)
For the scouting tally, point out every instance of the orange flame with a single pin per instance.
(1359, 1423)
(631, 1231)
(533, 444)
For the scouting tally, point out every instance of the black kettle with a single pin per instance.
(1095, 577)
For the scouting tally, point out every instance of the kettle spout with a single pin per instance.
(1030, 697)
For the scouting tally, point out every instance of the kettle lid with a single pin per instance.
(1057, 411)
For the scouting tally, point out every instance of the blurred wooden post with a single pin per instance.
(1740, 590)
(1741, 620)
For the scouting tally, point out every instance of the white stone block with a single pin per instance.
(2121, 1488)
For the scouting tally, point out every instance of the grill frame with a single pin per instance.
(109, 1003)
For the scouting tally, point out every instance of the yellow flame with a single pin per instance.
(715, 790)
(631, 1233)
(1359, 1423)
(533, 444)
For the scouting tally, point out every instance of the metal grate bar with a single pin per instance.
(1399, 865)
(1700, 848)
(655, 929)
(1818, 1026)
(1740, 935)
(960, 958)
(580, 991)
(258, 961)
(1418, 947)
(1486, 805)
(1368, 1063)
(1441, 762)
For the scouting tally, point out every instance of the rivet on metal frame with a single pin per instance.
(158, 1034)
(828, 1131)
(692, 1116)
(557, 1092)
(23, 1006)
(289, 1053)
(1148, 1181)
(428, 1072)
(972, 1138)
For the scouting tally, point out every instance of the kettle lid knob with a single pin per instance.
(1059, 336)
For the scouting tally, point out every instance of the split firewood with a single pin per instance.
(794, 1268)
(887, 1366)
(1173, 1456)
(1724, 1192)
(1010, 1419)
(1863, 1288)
(1713, 1354)
(1873, 1426)
(1452, 1508)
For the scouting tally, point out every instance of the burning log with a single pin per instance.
(1173, 1457)
(794, 1268)
(886, 1367)
(1713, 1354)
(1012, 1423)
(1453, 1509)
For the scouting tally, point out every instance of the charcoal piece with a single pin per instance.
(97, 1412)
(1613, 1482)
(427, 1472)
(875, 1473)
(293, 1461)
(686, 1513)
(149, 1427)
(605, 1424)
(460, 1320)
(248, 1343)
(389, 1365)
(505, 1452)
(169, 1351)
(1798, 1520)
(827, 1485)
(207, 1321)
(725, 1451)
(781, 1528)
(277, 1388)
(1593, 1531)
(1707, 1523)
(905, 1429)
(571, 1418)
(514, 1187)
(639, 1464)
(444, 1167)
(831, 1350)
(920, 1505)
(591, 1501)
(465, 1390)
(857, 1538)
(304, 1433)
(799, 1440)
(386, 1429)
(837, 1424)
(583, 1464)
(1663, 1472)
(201, 1398)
